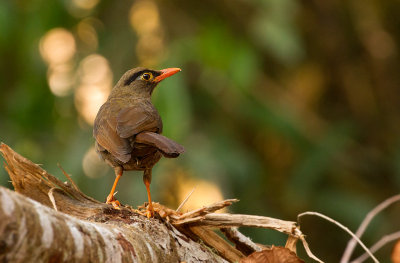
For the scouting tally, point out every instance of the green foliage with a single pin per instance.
(277, 103)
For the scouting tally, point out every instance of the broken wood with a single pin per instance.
(61, 223)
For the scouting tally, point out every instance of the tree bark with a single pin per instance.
(47, 220)
(83, 229)
(32, 232)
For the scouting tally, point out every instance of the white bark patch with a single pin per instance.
(92, 235)
(45, 223)
(22, 232)
(151, 252)
(132, 255)
(112, 246)
(7, 202)
(78, 239)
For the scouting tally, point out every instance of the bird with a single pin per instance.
(127, 129)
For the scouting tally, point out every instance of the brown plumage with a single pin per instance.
(128, 127)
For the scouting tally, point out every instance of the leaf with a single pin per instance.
(272, 255)
(396, 252)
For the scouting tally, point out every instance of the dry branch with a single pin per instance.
(237, 220)
(383, 241)
(65, 225)
(32, 232)
(241, 242)
(342, 227)
(86, 231)
(367, 220)
(205, 210)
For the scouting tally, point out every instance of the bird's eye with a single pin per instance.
(147, 76)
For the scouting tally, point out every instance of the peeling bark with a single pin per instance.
(47, 220)
(83, 229)
(32, 232)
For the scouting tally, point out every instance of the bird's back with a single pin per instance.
(118, 122)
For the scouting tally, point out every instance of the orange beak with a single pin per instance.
(165, 73)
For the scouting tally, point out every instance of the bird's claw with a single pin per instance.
(150, 211)
(115, 203)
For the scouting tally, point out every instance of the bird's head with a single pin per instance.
(142, 81)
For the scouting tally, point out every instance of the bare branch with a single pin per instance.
(52, 199)
(68, 177)
(118, 235)
(213, 240)
(185, 200)
(383, 241)
(308, 250)
(360, 231)
(105, 234)
(27, 226)
(342, 227)
(238, 220)
(207, 209)
(242, 243)
(291, 243)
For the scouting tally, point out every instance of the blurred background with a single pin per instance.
(286, 105)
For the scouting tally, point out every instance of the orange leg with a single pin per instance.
(147, 180)
(110, 198)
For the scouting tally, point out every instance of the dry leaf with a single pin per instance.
(272, 255)
(396, 252)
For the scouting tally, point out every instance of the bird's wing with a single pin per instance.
(168, 147)
(106, 136)
(135, 119)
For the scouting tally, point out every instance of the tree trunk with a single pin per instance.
(58, 223)
(32, 232)
(83, 229)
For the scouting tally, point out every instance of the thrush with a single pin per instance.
(128, 128)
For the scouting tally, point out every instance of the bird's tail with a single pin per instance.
(166, 146)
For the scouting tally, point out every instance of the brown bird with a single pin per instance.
(127, 128)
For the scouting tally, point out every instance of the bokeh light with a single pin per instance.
(61, 79)
(95, 83)
(145, 20)
(57, 46)
(297, 101)
(92, 164)
(144, 16)
(205, 193)
(81, 8)
(85, 4)
(87, 33)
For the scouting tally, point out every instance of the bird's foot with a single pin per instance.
(150, 211)
(149, 214)
(146, 210)
(114, 202)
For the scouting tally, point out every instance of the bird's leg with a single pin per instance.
(147, 181)
(110, 198)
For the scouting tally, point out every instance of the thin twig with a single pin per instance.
(308, 250)
(51, 197)
(291, 243)
(383, 241)
(68, 177)
(360, 231)
(186, 198)
(208, 209)
(342, 227)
